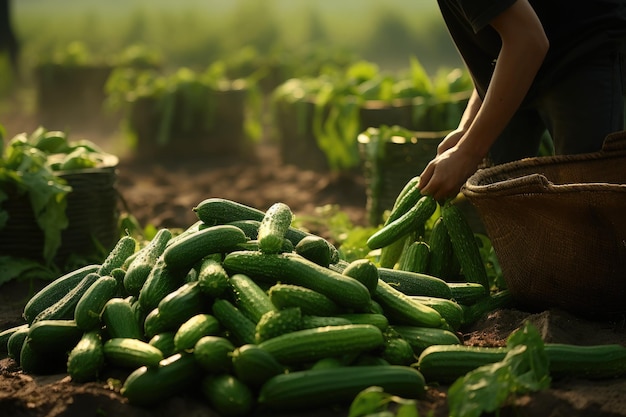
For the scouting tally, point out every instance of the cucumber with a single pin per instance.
(86, 360)
(50, 336)
(181, 305)
(194, 329)
(131, 353)
(213, 354)
(242, 330)
(227, 395)
(465, 245)
(7, 333)
(64, 308)
(313, 321)
(160, 282)
(316, 388)
(54, 291)
(310, 302)
(364, 271)
(123, 249)
(422, 337)
(120, 320)
(415, 258)
(249, 297)
(15, 342)
(407, 198)
(89, 307)
(412, 220)
(398, 351)
(467, 293)
(254, 365)
(375, 319)
(443, 261)
(309, 345)
(183, 254)
(164, 342)
(273, 228)
(414, 283)
(316, 249)
(139, 269)
(400, 308)
(212, 278)
(217, 211)
(446, 363)
(451, 311)
(277, 322)
(148, 386)
(291, 268)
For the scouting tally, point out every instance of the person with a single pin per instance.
(557, 65)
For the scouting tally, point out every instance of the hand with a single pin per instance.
(444, 176)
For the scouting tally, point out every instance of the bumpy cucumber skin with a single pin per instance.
(183, 254)
(293, 269)
(273, 228)
(54, 291)
(315, 388)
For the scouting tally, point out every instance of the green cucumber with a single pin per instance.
(64, 308)
(130, 353)
(242, 330)
(186, 252)
(217, 211)
(254, 365)
(422, 337)
(414, 283)
(249, 297)
(124, 248)
(194, 329)
(55, 290)
(148, 386)
(401, 309)
(90, 305)
(307, 300)
(213, 354)
(412, 220)
(120, 320)
(309, 345)
(273, 228)
(227, 395)
(323, 387)
(86, 360)
(291, 268)
(139, 269)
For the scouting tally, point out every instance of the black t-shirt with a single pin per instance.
(575, 29)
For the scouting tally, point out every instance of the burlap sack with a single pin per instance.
(558, 226)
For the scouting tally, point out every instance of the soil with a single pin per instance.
(162, 194)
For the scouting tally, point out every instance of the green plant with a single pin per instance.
(31, 168)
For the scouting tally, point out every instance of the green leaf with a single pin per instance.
(487, 388)
(13, 268)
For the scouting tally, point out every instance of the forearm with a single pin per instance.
(520, 58)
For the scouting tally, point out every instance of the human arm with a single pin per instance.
(524, 46)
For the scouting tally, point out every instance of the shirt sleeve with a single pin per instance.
(480, 12)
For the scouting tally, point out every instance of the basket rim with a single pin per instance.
(614, 147)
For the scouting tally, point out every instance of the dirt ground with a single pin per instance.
(162, 194)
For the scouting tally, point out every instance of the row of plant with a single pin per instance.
(248, 312)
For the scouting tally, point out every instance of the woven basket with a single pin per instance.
(558, 226)
(389, 165)
(92, 212)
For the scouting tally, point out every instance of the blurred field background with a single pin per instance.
(195, 33)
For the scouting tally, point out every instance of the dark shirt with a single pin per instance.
(575, 29)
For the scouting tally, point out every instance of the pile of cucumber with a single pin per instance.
(248, 312)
